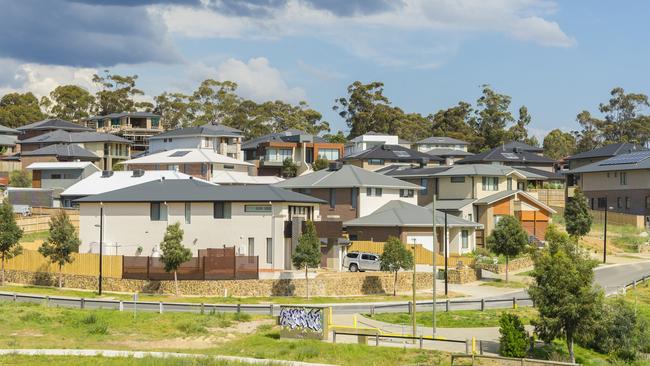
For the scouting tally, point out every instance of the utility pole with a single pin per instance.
(435, 269)
(101, 240)
(605, 232)
(446, 255)
(413, 310)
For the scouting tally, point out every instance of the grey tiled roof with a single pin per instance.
(8, 140)
(347, 176)
(400, 213)
(530, 172)
(193, 190)
(455, 170)
(51, 124)
(502, 154)
(447, 152)
(208, 129)
(608, 151)
(125, 114)
(522, 146)
(4, 130)
(63, 150)
(391, 152)
(290, 135)
(442, 140)
(631, 161)
(61, 136)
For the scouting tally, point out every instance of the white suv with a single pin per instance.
(360, 261)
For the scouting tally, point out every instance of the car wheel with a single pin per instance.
(354, 267)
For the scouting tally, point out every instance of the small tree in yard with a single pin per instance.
(514, 338)
(577, 217)
(394, 258)
(173, 252)
(508, 238)
(563, 291)
(10, 235)
(61, 242)
(307, 252)
(289, 168)
(20, 178)
(320, 164)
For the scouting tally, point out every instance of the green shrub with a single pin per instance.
(98, 328)
(89, 319)
(514, 339)
(242, 317)
(191, 327)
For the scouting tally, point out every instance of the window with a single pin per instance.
(354, 237)
(352, 255)
(497, 218)
(173, 167)
(188, 212)
(304, 190)
(375, 161)
(470, 217)
(592, 204)
(228, 167)
(329, 154)
(647, 201)
(278, 155)
(490, 183)
(354, 192)
(602, 202)
(258, 208)
(55, 176)
(622, 178)
(369, 191)
(222, 210)
(424, 182)
(628, 203)
(332, 197)
(619, 202)
(158, 211)
(251, 246)
(458, 179)
(406, 193)
(509, 184)
(464, 238)
(269, 250)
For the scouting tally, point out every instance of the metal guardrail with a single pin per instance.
(470, 344)
(521, 361)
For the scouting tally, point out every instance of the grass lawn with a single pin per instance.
(35, 326)
(53, 291)
(39, 235)
(501, 283)
(111, 361)
(458, 319)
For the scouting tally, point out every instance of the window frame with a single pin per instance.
(225, 211)
(188, 212)
(464, 239)
(157, 214)
(269, 250)
(457, 179)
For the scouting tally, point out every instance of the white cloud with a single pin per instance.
(42, 79)
(541, 31)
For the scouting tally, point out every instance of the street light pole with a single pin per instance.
(607, 208)
(446, 255)
(101, 247)
(413, 310)
(435, 269)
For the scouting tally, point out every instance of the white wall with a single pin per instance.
(128, 226)
(454, 241)
(176, 143)
(636, 179)
(369, 204)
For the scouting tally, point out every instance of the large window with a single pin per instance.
(464, 237)
(279, 155)
(332, 197)
(222, 210)
(354, 192)
(628, 203)
(619, 202)
(375, 161)
(329, 154)
(406, 193)
(602, 202)
(490, 183)
(622, 177)
(251, 246)
(458, 179)
(158, 211)
(424, 182)
(188, 212)
(258, 208)
(269, 250)
(377, 192)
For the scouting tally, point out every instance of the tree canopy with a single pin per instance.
(18, 109)
(508, 238)
(559, 144)
(307, 252)
(395, 258)
(61, 242)
(576, 215)
(10, 235)
(117, 94)
(173, 253)
(68, 102)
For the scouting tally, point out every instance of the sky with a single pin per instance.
(555, 57)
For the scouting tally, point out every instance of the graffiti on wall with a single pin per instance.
(302, 318)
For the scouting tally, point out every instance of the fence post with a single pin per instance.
(482, 304)
(47, 301)
(15, 297)
(160, 307)
(421, 342)
(473, 345)
(271, 310)
(377, 339)
(467, 346)
(634, 284)
(372, 310)
(447, 305)
(239, 308)
(514, 302)
(410, 307)
(83, 303)
(148, 264)
(121, 306)
(202, 309)
(334, 336)
(480, 347)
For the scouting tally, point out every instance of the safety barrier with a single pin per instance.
(520, 361)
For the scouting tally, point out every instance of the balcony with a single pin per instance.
(275, 161)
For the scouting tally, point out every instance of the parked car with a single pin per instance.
(361, 262)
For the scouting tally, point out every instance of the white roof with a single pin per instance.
(228, 177)
(60, 165)
(95, 184)
(183, 156)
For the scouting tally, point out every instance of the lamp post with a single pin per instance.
(446, 255)
(435, 269)
(607, 208)
(101, 246)
(414, 324)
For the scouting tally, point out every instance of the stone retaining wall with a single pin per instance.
(328, 284)
(463, 275)
(513, 265)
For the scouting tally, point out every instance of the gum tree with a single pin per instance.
(307, 252)
(61, 242)
(508, 238)
(10, 235)
(394, 258)
(173, 252)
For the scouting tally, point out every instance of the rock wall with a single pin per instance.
(327, 284)
(463, 275)
(513, 265)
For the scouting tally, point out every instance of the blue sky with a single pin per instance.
(555, 57)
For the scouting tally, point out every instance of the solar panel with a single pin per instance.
(402, 154)
(509, 155)
(177, 154)
(631, 158)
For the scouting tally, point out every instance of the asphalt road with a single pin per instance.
(611, 278)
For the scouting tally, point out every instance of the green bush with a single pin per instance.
(98, 328)
(514, 339)
(242, 317)
(191, 327)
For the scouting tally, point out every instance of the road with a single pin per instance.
(610, 277)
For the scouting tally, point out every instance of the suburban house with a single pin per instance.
(515, 154)
(8, 138)
(48, 125)
(380, 156)
(269, 152)
(106, 181)
(58, 152)
(370, 140)
(226, 177)
(435, 142)
(55, 177)
(110, 149)
(250, 218)
(199, 163)
(136, 127)
(221, 139)
(620, 183)
(589, 157)
(480, 193)
(414, 224)
(349, 192)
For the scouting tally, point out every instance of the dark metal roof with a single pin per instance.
(61, 136)
(632, 161)
(442, 152)
(522, 146)
(290, 135)
(125, 114)
(345, 177)
(400, 213)
(62, 150)
(52, 124)
(503, 154)
(608, 151)
(442, 140)
(544, 173)
(208, 129)
(193, 190)
(391, 152)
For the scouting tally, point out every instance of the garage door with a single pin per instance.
(425, 240)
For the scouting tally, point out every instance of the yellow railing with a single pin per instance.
(84, 264)
(422, 254)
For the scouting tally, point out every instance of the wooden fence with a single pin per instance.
(613, 218)
(84, 264)
(422, 254)
(10, 166)
(550, 197)
(40, 219)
